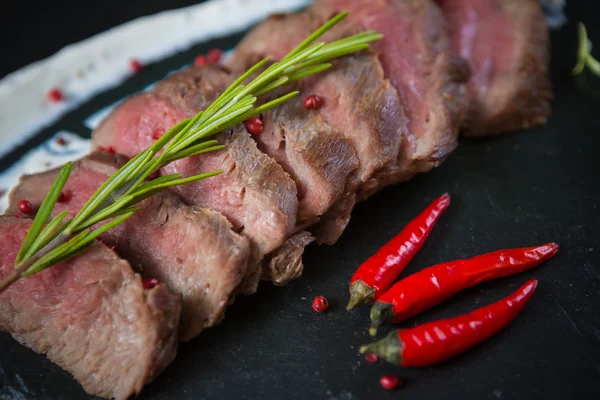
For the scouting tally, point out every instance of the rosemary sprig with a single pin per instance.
(49, 243)
(584, 56)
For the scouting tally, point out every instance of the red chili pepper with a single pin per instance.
(320, 304)
(378, 273)
(430, 286)
(438, 341)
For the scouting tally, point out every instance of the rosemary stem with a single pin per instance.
(15, 273)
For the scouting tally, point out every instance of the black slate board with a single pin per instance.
(511, 191)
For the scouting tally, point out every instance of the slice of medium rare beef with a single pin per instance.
(429, 77)
(264, 182)
(254, 192)
(506, 43)
(319, 158)
(358, 102)
(91, 316)
(192, 249)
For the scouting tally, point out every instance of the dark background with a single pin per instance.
(517, 190)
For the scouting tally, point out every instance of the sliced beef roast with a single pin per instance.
(317, 156)
(415, 74)
(506, 43)
(318, 163)
(254, 192)
(358, 102)
(91, 316)
(416, 56)
(192, 249)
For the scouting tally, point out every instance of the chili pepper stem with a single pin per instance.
(360, 293)
(389, 348)
(380, 313)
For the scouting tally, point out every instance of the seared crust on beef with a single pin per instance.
(336, 219)
(285, 263)
(267, 192)
(91, 316)
(319, 159)
(364, 106)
